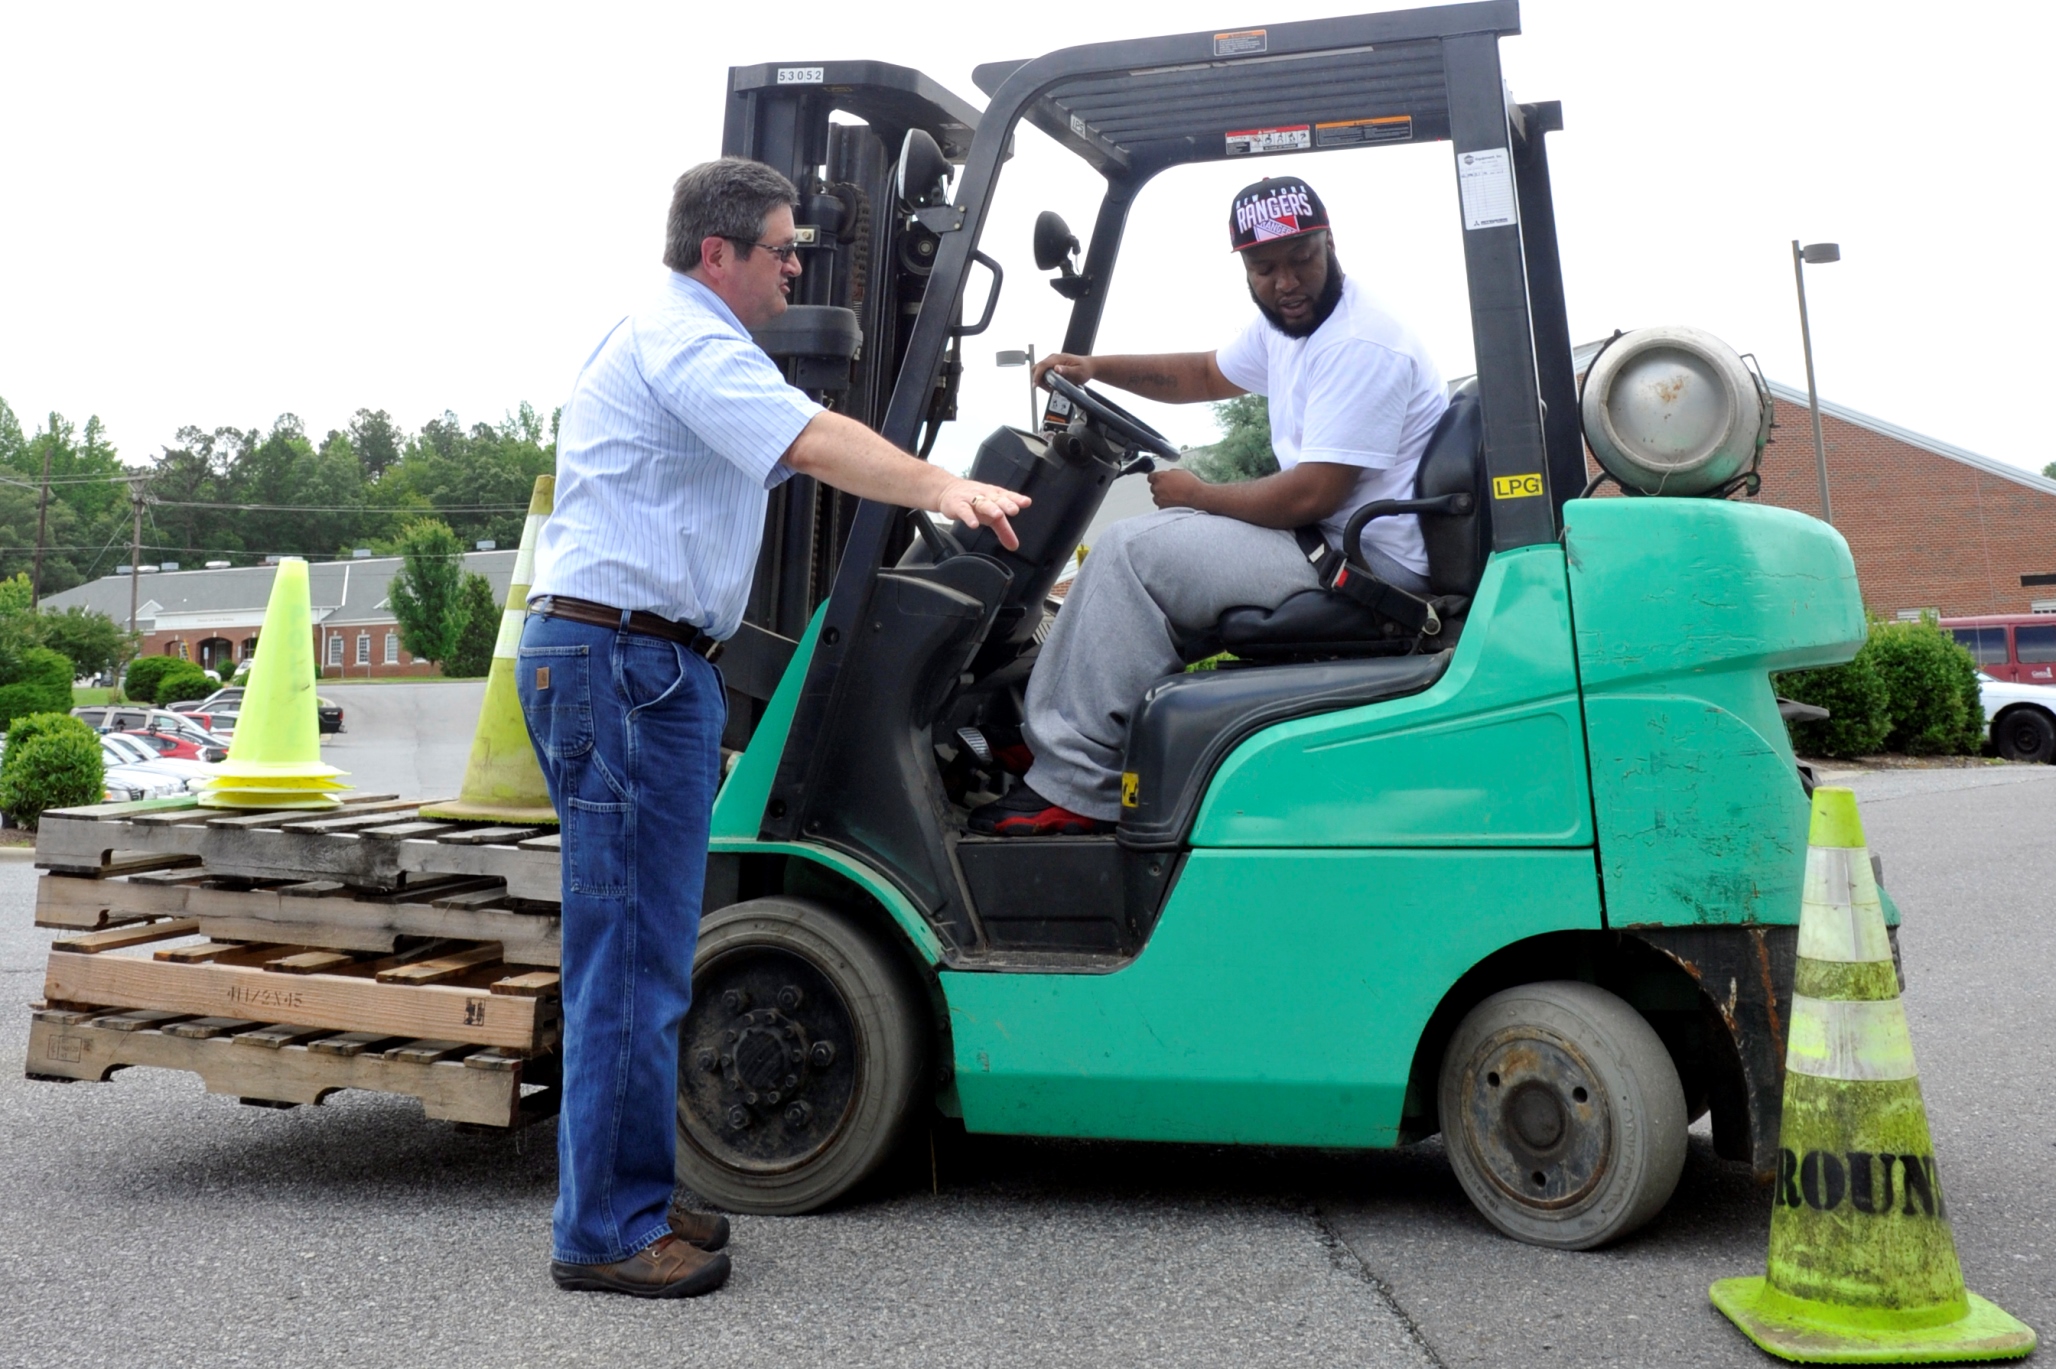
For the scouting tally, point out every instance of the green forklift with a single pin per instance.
(1518, 864)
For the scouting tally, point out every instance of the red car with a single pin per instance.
(175, 747)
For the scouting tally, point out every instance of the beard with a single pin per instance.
(1324, 304)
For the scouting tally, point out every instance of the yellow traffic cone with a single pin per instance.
(503, 782)
(1862, 1263)
(275, 760)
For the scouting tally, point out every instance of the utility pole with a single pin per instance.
(135, 548)
(42, 520)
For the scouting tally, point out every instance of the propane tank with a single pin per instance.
(1674, 411)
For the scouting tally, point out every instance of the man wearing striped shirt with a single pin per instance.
(675, 432)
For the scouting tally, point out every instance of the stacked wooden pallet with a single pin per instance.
(282, 956)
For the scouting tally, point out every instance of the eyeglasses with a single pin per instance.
(784, 253)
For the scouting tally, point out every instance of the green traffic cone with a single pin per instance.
(274, 760)
(1863, 1266)
(503, 781)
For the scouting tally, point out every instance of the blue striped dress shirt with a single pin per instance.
(666, 453)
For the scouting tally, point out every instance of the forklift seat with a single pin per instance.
(1187, 724)
(1319, 623)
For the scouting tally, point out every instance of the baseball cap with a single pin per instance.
(1275, 207)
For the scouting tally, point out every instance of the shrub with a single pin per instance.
(184, 681)
(52, 761)
(139, 682)
(1858, 705)
(41, 683)
(1932, 682)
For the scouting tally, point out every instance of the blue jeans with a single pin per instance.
(628, 730)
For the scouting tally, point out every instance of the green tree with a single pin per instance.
(93, 641)
(1244, 451)
(376, 440)
(2050, 470)
(52, 761)
(144, 673)
(472, 653)
(425, 592)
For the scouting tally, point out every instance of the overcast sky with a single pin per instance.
(215, 214)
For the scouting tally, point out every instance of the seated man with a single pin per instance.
(1354, 398)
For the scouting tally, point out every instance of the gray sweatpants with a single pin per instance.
(1112, 639)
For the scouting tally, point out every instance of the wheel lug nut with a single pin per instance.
(733, 1038)
(822, 1055)
(735, 1000)
(790, 997)
(792, 1081)
(738, 1117)
(798, 1115)
(772, 1098)
(708, 1061)
(750, 1097)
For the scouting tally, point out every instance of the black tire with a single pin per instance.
(2025, 734)
(1563, 1115)
(801, 1059)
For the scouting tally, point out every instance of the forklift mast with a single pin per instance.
(865, 272)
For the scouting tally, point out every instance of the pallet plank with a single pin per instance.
(280, 1034)
(402, 831)
(427, 1052)
(310, 962)
(290, 1074)
(115, 939)
(200, 955)
(350, 1043)
(441, 967)
(429, 1011)
(533, 984)
(207, 1028)
(489, 836)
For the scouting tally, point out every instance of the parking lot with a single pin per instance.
(148, 1223)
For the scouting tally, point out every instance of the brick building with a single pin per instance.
(212, 616)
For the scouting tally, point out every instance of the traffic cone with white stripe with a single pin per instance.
(1862, 1265)
(274, 760)
(503, 782)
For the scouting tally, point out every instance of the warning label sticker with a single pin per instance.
(1296, 138)
(1484, 180)
(1242, 43)
(1393, 128)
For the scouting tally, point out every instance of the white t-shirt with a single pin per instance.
(1360, 391)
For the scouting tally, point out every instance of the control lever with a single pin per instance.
(1141, 465)
(941, 544)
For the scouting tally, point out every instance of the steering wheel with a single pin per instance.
(1125, 427)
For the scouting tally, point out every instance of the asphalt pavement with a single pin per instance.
(406, 739)
(148, 1223)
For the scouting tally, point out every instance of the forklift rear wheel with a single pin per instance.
(800, 1058)
(1563, 1115)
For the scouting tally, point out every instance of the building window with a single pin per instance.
(249, 651)
(363, 648)
(335, 649)
(176, 648)
(392, 648)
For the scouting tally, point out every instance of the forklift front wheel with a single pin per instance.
(799, 1060)
(1563, 1115)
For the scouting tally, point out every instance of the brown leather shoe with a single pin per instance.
(707, 1230)
(666, 1268)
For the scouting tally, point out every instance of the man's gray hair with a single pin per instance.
(728, 198)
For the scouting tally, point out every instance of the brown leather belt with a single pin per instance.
(649, 624)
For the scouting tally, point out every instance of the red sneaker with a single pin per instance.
(1025, 813)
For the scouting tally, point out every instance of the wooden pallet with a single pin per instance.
(321, 913)
(374, 842)
(287, 1065)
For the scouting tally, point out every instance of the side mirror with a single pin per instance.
(1055, 245)
(922, 180)
(1054, 241)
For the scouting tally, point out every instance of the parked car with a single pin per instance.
(136, 767)
(141, 718)
(175, 747)
(221, 707)
(2020, 719)
(2010, 647)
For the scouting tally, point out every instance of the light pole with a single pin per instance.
(1817, 254)
(1027, 359)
